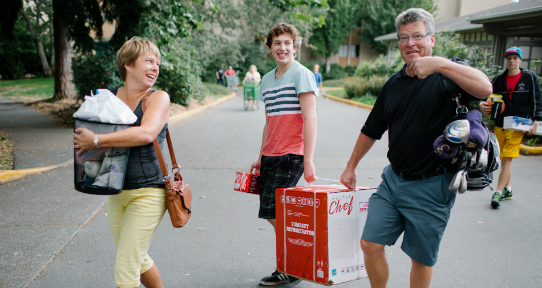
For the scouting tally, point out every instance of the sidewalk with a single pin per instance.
(39, 140)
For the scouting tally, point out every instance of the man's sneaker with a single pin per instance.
(506, 195)
(495, 199)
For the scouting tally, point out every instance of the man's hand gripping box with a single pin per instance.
(520, 124)
(318, 232)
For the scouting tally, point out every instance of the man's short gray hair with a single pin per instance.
(414, 15)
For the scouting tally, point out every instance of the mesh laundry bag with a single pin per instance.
(100, 171)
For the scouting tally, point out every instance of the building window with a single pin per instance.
(354, 51)
(343, 51)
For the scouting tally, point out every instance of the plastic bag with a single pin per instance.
(105, 107)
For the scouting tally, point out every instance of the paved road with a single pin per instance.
(39, 139)
(226, 245)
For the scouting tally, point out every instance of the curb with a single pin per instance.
(11, 175)
(350, 102)
(528, 150)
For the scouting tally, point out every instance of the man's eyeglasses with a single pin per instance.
(415, 38)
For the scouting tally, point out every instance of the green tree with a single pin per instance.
(305, 15)
(447, 45)
(327, 39)
(377, 17)
(18, 53)
(37, 16)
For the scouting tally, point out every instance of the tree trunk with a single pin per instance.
(52, 41)
(64, 88)
(328, 63)
(37, 40)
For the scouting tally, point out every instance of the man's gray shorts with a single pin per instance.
(420, 208)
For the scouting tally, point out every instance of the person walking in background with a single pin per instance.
(414, 106)
(289, 134)
(134, 213)
(229, 73)
(254, 76)
(318, 78)
(220, 75)
(521, 95)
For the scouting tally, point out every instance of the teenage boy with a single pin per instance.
(521, 96)
(289, 134)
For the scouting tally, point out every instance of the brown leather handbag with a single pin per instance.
(178, 194)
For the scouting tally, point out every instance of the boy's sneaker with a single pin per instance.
(277, 278)
(495, 200)
(506, 195)
(294, 280)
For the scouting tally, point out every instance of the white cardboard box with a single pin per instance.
(318, 232)
(520, 124)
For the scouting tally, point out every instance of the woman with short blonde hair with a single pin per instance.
(134, 213)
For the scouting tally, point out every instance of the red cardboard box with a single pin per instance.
(318, 232)
(246, 182)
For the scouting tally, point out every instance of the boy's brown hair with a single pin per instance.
(283, 28)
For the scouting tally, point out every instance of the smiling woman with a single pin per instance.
(138, 209)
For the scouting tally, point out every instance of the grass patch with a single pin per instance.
(28, 89)
(333, 83)
(337, 93)
(365, 99)
(217, 90)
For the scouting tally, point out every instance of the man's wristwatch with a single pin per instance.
(96, 141)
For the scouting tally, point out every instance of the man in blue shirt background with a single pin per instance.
(318, 78)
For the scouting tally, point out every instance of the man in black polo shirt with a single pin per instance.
(414, 106)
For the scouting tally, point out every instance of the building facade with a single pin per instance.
(496, 29)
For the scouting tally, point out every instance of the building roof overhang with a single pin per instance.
(506, 15)
(520, 10)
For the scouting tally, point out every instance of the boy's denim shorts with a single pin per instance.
(420, 208)
(277, 172)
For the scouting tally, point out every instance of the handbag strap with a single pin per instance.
(158, 150)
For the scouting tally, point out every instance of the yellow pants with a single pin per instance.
(134, 216)
(509, 141)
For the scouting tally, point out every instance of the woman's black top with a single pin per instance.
(143, 169)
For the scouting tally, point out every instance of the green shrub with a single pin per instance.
(355, 86)
(448, 46)
(334, 83)
(216, 90)
(379, 67)
(335, 72)
(361, 86)
(532, 140)
(91, 72)
(19, 54)
(366, 99)
(534, 66)
(179, 76)
(350, 70)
